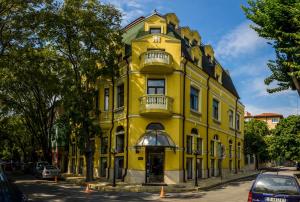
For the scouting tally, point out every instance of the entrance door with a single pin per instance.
(155, 165)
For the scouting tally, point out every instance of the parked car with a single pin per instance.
(298, 166)
(9, 192)
(49, 172)
(38, 168)
(272, 187)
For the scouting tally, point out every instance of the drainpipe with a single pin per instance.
(183, 121)
(127, 120)
(235, 137)
(112, 125)
(207, 126)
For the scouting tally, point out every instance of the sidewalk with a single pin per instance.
(171, 188)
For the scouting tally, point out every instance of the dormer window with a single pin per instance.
(195, 42)
(155, 30)
(187, 41)
(196, 61)
(172, 26)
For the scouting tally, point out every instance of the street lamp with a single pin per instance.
(114, 152)
(196, 153)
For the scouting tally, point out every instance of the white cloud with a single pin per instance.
(251, 68)
(131, 9)
(257, 88)
(241, 40)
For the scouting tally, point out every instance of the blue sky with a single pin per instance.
(239, 49)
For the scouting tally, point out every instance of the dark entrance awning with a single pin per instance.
(155, 138)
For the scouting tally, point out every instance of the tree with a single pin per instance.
(87, 36)
(279, 22)
(284, 142)
(255, 133)
(30, 86)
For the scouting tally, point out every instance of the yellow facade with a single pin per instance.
(151, 130)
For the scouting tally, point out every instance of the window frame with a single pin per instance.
(218, 118)
(155, 28)
(156, 87)
(120, 95)
(231, 121)
(194, 97)
(189, 144)
(106, 99)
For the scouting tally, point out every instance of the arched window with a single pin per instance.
(120, 139)
(216, 137)
(230, 141)
(155, 126)
(194, 131)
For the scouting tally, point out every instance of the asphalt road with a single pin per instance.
(42, 190)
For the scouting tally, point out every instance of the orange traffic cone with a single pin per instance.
(87, 190)
(162, 193)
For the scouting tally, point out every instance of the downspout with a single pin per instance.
(207, 126)
(183, 121)
(112, 125)
(127, 120)
(235, 137)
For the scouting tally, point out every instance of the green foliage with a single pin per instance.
(279, 22)
(255, 133)
(285, 139)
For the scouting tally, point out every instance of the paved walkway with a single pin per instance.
(203, 184)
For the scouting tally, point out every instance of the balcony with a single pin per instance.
(156, 106)
(156, 62)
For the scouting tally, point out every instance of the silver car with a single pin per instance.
(50, 171)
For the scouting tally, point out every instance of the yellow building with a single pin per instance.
(172, 115)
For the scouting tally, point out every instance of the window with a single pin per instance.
(194, 42)
(230, 149)
(238, 122)
(155, 30)
(120, 139)
(189, 144)
(199, 168)
(172, 25)
(187, 41)
(196, 61)
(106, 99)
(212, 148)
(215, 109)
(230, 117)
(194, 131)
(155, 126)
(275, 120)
(104, 145)
(194, 97)
(120, 95)
(189, 167)
(103, 166)
(199, 145)
(239, 151)
(156, 86)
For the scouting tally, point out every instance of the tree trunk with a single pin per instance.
(297, 84)
(256, 162)
(88, 154)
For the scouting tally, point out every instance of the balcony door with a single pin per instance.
(156, 86)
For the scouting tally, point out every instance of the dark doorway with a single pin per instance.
(155, 157)
(119, 167)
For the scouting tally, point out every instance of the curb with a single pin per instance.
(226, 182)
(154, 189)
